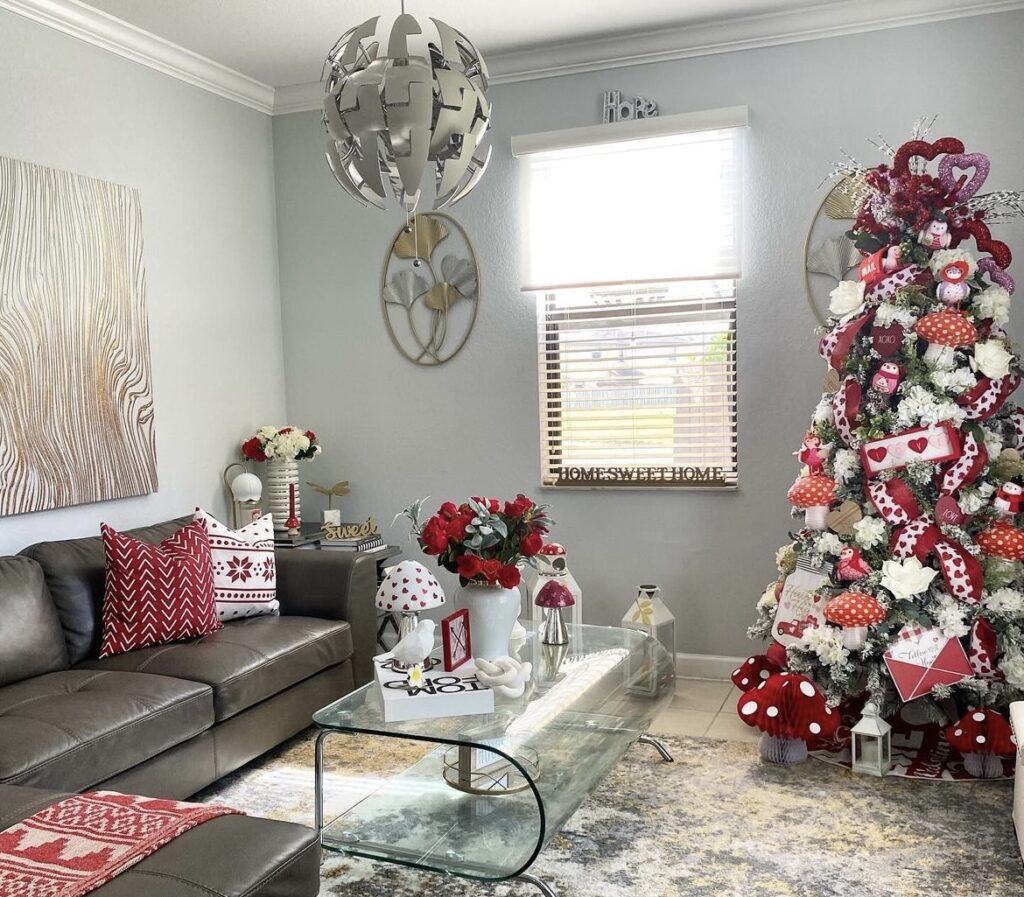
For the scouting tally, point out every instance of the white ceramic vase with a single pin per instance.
(492, 614)
(282, 473)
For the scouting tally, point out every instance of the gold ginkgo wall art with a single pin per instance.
(430, 289)
(76, 403)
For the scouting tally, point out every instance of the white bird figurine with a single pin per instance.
(417, 645)
(506, 676)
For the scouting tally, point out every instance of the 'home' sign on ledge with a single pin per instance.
(618, 109)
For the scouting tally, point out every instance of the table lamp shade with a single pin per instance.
(409, 588)
(246, 487)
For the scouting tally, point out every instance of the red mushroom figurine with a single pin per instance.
(983, 737)
(855, 612)
(814, 494)
(753, 671)
(790, 710)
(945, 331)
(553, 596)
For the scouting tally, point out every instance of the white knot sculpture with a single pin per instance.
(506, 676)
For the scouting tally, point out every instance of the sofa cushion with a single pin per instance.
(244, 567)
(247, 661)
(233, 856)
(157, 594)
(31, 640)
(74, 728)
(74, 571)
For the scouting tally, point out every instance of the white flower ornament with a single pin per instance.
(907, 578)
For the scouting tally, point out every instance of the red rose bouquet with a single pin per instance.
(483, 539)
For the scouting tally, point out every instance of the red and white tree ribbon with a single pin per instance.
(893, 500)
(835, 346)
(846, 408)
(986, 398)
(960, 569)
(982, 650)
(1017, 420)
(966, 469)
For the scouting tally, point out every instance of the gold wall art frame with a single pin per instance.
(430, 289)
(76, 397)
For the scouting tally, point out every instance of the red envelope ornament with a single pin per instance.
(919, 659)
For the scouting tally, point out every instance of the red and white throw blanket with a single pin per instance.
(77, 844)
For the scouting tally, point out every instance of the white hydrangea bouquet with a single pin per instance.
(281, 444)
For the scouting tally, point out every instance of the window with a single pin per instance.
(633, 249)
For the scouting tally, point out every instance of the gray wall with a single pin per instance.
(399, 432)
(204, 169)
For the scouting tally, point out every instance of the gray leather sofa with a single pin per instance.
(169, 720)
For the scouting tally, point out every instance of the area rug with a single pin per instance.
(716, 823)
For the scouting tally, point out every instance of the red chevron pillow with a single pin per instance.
(157, 593)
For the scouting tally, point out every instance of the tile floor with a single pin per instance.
(704, 707)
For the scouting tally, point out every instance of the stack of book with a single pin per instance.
(364, 543)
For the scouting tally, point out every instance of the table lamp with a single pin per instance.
(408, 589)
(244, 491)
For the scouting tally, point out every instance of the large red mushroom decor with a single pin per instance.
(983, 737)
(814, 494)
(790, 710)
(754, 670)
(855, 612)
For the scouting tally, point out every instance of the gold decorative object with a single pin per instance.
(76, 401)
(832, 254)
(338, 489)
(350, 530)
(430, 289)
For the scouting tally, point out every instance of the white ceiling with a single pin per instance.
(284, 42)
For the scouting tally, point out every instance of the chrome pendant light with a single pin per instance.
(392, 116)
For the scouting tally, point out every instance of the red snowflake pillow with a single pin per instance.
(244, 572)
(157, 593)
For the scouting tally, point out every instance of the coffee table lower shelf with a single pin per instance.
(387, 824)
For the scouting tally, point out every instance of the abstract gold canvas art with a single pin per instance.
(76, 401)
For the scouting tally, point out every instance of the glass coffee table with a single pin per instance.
(497, 787)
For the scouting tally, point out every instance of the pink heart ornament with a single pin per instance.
(947, 176)
(996, 274)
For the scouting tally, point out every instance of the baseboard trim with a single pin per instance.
(706, 666)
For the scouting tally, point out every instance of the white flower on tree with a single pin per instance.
(949, 616)
(827, 643)
(993, 303)
(848, 296)
(869, 531)
(906, 578)
(1006, 602)
(992, 359)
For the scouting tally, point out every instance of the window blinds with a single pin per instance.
(650, 201)
(638, 386)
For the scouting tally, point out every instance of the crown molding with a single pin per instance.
(748, 33)
(116, 36)
(573, 57)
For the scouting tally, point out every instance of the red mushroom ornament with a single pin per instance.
(813, 493)
(855, 612)
(983, 737)
(790, 710)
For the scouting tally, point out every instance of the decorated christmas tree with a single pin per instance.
(904, 586)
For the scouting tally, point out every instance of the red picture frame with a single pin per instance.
(937, 444)
(455, 640)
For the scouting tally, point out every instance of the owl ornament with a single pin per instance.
(1008, 500)
(887, 378)
(852, 565)
(953, 287)
(935, 235)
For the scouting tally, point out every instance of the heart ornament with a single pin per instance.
(997, 274)
(921, 148)
(964, 161)
(999, 251)
(842, 519)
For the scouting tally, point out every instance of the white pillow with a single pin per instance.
(244, 569)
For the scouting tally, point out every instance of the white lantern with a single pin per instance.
(649, 614)
(871, 743)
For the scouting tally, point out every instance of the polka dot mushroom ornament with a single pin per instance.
(813, 493)
(855, 612)
(945, 331)
(984, 737)
(754, 670)
(790, 710)
(1002, 540)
